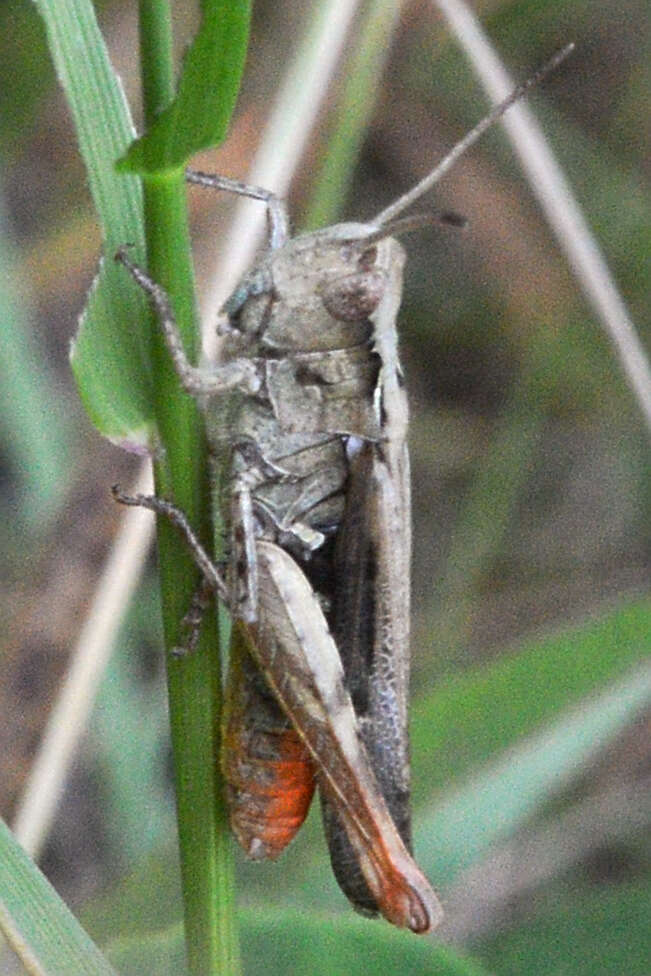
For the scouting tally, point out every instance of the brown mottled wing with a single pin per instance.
(371, 631)
(293, 647)
(370, 619)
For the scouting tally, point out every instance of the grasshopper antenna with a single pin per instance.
(395, 208)
(404, 225)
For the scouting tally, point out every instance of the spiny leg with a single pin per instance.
(179, 520)
(201, 600)
(237, 374)
(276, 210)
(253, 469)
(244, 563)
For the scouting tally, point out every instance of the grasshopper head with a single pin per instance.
(355, 273)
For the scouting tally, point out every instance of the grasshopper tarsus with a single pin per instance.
(276, 209)
(193, 618)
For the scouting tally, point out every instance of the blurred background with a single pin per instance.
(530, 482)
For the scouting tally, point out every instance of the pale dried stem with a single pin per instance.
(563, 213)
(297, 105)
(484, 896)
(69, 716)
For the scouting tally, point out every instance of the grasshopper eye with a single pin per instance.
(368, 258)
(353, 297)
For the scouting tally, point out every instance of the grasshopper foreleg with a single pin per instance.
(241, 374)
(276, 209)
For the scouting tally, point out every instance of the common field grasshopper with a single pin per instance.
(307, 423)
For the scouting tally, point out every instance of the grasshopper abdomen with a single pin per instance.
(269, 772)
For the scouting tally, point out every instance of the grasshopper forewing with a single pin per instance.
(302, 665)
(370, 620)
(307, 421)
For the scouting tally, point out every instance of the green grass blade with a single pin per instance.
(290, 941)
(198, 116)
(37, 924)
(108, 356)
(597, 929)
(34, 428)
(474, 717)
(194, 685)
(281, 941)
(112, 379)
(112, 364)
(494, 803)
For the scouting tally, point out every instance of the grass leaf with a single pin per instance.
(198, 116)
(37, 924)
(109, 357)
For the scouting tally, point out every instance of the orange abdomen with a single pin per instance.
(270, 776)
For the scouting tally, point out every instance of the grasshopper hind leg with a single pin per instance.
(211, 579)
(191, 622)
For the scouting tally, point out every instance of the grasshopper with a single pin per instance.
(307, 422)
